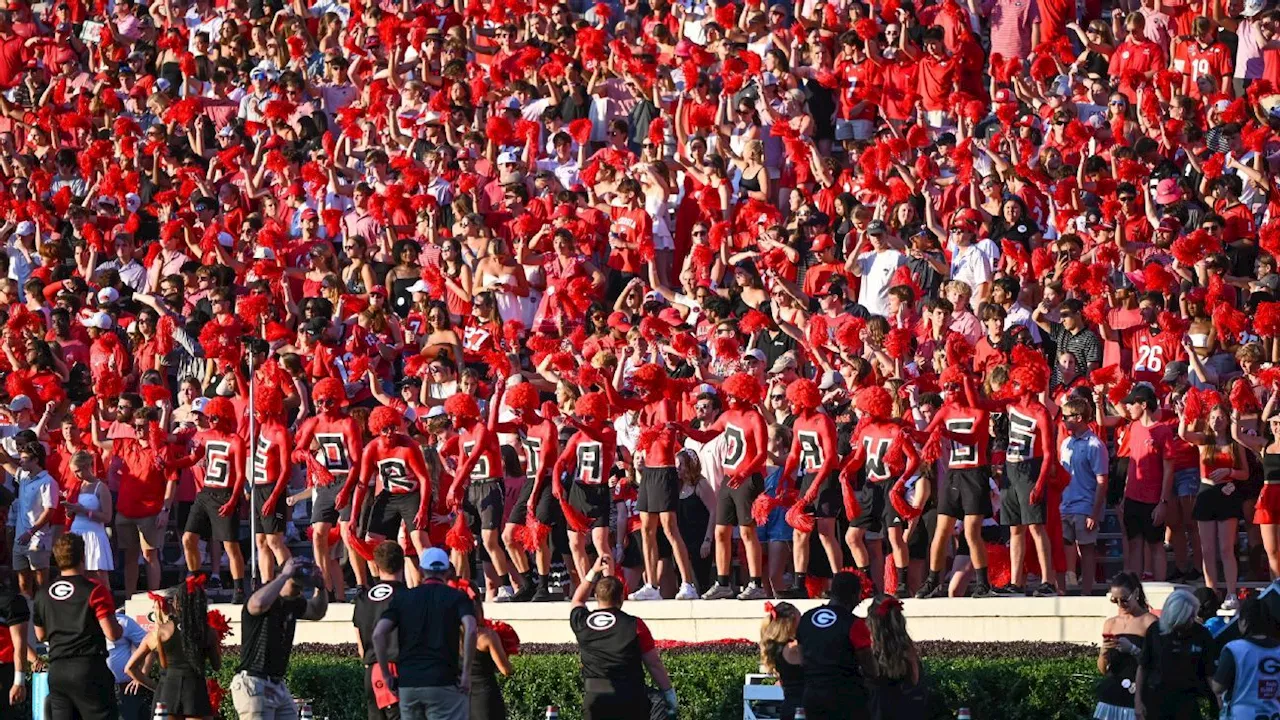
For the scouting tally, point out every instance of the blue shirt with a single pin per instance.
(119, 651)
(1085, 458)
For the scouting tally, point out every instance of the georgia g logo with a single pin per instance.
(601, 621)
(61, 590)
(824, 618)
(381, 592)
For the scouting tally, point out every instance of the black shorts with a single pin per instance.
(205, 521)
(733, 505)
(592, 501)
(374, 712)
(268, 524)
(1015, 499)
(828, 503)
(82, 688)
(605, 700)
(185, 693)
(1138, 523)
(659, 490)
(1214, 505)
(324, 502)
(967, 492)
(873, 497)
(546, 508)
(391, 509)
(829, 702)
(484, 505)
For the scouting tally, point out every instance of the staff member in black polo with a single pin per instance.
(76, 617)
(14, 616)
(615, 648)
(434, 626)
(836, 648)
(388, 564)
(267, 624)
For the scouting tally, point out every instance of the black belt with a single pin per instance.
(264, 676)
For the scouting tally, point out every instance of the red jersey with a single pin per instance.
(1152, 351)
(1213, 62)
(633, 226)
(335, 439)
(859, 79)
(589, 456)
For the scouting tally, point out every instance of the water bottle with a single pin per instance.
(963, 714)
(304, 712)
(161, 711)
(800, 714)
(553, 713)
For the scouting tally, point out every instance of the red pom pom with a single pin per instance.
(460, 538)
(1266, 319)
(762, 508)
(897, 344)
(1243, 400)
(753, 321)
(867, 28)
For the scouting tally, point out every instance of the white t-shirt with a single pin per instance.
(877, 269)
(970, 265)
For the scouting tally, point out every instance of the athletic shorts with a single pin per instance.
(1016, 507)
(733, 505)
(483, 505)
(144, 532)
(269, 524)
(546, 509)
(592, 501)
(1076, 532)
(1138, 523)
(828, 503)
(967, 492)
(324, 501)
(389, 510)
(205, 521)
(873, 498)
(659, 490)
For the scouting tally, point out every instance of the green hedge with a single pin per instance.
(710, 685)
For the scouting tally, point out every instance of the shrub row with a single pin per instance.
(995, 683)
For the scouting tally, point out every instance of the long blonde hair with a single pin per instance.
(776, 632)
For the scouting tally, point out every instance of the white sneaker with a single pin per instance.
(505, 594)
(648, 592)
(1231, 604)
(687, 592)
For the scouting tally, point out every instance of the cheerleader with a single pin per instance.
(185, 644)
(491, 660)
(1219, 504)
(780, 654)
(1266, 513)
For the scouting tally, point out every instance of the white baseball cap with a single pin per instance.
(99, 320)
(26, 227)
(132, 202)
(199, 404)
(20, 403)
(508, 157)
(108, 295)
(419, 287)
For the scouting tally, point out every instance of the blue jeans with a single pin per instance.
(434, 703)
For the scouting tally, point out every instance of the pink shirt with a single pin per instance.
(1011, 25)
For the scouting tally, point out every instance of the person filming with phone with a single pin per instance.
(267, 625)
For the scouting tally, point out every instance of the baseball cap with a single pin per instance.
(308, 213)
(877, 227)
(132, 202)
(108, 295)
(822, 242)
(26, 227)
(672, 317)
(199, 404)
(1253, 7)
(1170, 224)
(99, 320)
(754, 354)
(1167, 191)
(508, 157)
(785, 362)
(618, 321)
(1175, 370)
(20, 403)
(264, 253)
(1142, 393)
(831, 379)
(419, 287)
(437, 411)
(433, 560)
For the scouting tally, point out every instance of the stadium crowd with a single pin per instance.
(735, 294)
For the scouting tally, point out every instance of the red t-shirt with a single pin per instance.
(1149, 447)
(937, 82)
